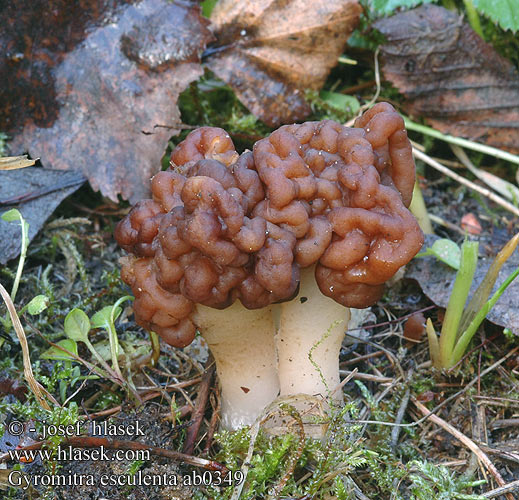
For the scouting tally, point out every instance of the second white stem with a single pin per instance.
(311, 330)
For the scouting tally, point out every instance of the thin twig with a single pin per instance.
(390, 322)
(146, 397)
(507, 488)
(501, 424)
(395, 432)
(445, 401)
(465, 143)
(343, 382)
(213, 423)
(367, 376)
(200, 405)
(449, 225)
(471, 445)
(504, 188)
(350, 123)
(484, 191)
(361, 358)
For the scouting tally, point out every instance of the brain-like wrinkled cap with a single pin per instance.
(222, 227)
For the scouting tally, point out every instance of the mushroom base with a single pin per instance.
(311, 330)
(242, 344)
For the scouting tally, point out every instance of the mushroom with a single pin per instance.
(225, 237)
(195, 248)
(355, 184)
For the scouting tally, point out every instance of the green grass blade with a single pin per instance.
(467, 335)
(485, 288)
(458, 298)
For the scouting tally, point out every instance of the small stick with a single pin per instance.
(471, 445)
(445, 401)
(212, 424)
(146, 397)
(508, 422)
(201, 403)
(361, 86)
(395, 432)
(361, 358)
(390, 322)
(171, 387)
(42, 192)
(182, 412)
(507, 488)
(367, 376)
(446, 223)
(484, 191)
(464, 143)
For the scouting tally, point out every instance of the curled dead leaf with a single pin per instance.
(92, 86)
(271, 51)
(450, 76)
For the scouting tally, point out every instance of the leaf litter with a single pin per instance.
(450, 76)
(93, 88)
(271, 51)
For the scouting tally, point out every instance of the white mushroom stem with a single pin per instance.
(311, 326)
(242, 344)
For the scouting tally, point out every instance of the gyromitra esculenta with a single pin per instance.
(313, 218)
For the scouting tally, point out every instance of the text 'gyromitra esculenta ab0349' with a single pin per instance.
(314, 220)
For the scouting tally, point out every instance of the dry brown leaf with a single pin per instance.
(92, 86)
(270, 51)
(450, 76)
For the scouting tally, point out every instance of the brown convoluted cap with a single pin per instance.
(223, 227)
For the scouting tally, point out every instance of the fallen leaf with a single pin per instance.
(437, 279)
(271, 51)
(44, 185)
(92, 86)
(12, 386)
(450, 76)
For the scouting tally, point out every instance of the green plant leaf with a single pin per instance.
(482, 293)
(467, 335)
(38, 304)
(77, 325)
(57, 354)
(445, 250)
(103, 349)
(386, 7)
(341, 102)
(101, 319)
(502, 12)
(12, 215)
